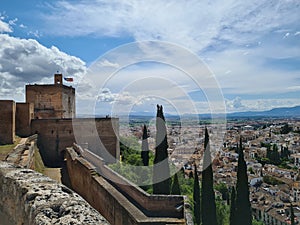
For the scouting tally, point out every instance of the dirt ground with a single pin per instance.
(53, 173)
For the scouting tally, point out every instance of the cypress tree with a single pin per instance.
(232, 216)
(145, 147)
(276, 156)
(161, 168)
(196, 198)
(292, 215)
(175, 186)
(243, 206)
(208, 204)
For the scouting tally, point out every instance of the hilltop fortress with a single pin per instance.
(84, 146)
(49, 111)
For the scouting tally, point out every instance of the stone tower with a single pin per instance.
(52, 100)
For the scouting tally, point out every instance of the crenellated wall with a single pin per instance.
(114, 205)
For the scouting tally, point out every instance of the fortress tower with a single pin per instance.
(52, 100)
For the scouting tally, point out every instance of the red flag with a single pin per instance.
(69, 79)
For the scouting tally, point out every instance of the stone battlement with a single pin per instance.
(124, 204)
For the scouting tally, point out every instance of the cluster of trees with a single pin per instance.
(274, 156)
(205, 210)
(285, 129)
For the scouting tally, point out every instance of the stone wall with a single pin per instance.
(24, 115)
(107, 199)
(7, 121)
(29, 198)
(51, 101)
(151, 205)
(54, 135)
(23, 154)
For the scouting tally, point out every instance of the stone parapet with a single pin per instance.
(29, 198)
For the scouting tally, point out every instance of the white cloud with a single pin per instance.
(294, 88)
(267, 104)
(26, 61)
(22, 26)
(106, 63)
(238, 104)
(235, 104)
(5, 27)
(194, 24)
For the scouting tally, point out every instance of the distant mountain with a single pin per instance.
(276, 112)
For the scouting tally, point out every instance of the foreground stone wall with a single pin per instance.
(29, 198)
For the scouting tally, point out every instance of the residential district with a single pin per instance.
(271, 150)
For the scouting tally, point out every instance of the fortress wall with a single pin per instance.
(100, 194)
(28, 197)
(104, 197)
(57, 134)
(24, 115)
(7, 121)
(54, 135)
(101, 134)
(151, 205)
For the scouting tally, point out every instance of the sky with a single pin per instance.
(248, 51)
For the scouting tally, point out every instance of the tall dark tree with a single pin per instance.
(208, 204)
(292, 217)
(285, 153)
(145, 147)
(196, 198)
(276, 155)
(232, 216)
(175, 186)
(161, 169)
(243, 206)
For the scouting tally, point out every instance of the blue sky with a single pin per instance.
(252, 48)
